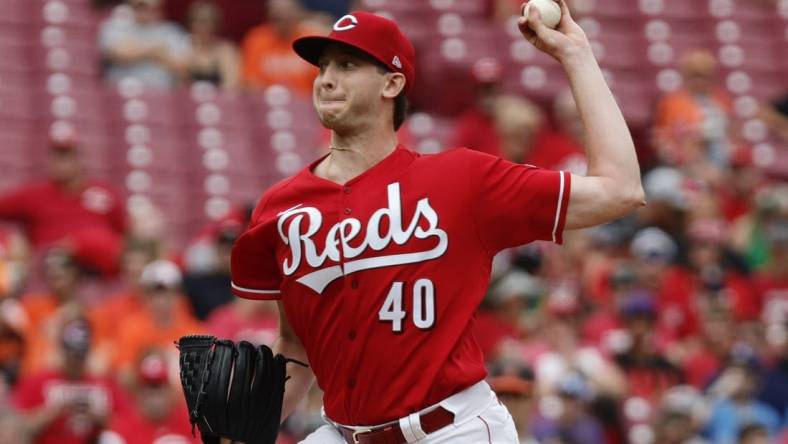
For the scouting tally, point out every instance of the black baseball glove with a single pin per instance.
(233, 391)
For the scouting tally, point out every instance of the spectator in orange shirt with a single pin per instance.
(45, 311)
(129, 301)
(159, 324)
(268, 57)
(694, 123)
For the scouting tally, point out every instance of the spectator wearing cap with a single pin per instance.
(159, 324)
(207, 278)
(512, 382)
(68, 405)
(637, 349)
(475, 127)
(680, 417)
(736, 406)
(693, 124)
(158, 411)
(267, 55)
(212, 59)
(707, 279)
(127, 302)
(68, 209)
(668, 193)
(500, 317)
(742, 182)
(558, 351)
(136, 42)
(565, 418)
(44, 311)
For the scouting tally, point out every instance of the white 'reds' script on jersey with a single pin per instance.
(298, 224)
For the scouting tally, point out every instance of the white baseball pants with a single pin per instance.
(479, 418)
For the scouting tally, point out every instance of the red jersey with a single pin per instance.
(380, 277)
(73, 426)
(92, 219)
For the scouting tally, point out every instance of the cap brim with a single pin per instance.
(310, 48)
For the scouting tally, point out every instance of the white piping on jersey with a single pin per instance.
(558, 207)
(250, 290)
(297, 226)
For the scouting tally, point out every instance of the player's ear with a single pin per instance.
(395, 83)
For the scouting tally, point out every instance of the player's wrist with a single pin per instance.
(577, 58)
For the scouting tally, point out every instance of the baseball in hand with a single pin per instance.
(549, 10)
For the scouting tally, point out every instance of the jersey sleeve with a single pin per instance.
(516, 204)
(255, 273)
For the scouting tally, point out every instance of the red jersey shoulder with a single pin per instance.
(271, 194)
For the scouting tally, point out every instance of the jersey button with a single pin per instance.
(348, 211)
(352, 335)
(346, 190)
(351, 383)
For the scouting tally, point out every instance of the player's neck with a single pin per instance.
(353, 154)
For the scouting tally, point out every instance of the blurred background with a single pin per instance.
(136, 136)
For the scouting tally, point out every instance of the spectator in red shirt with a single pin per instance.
(561, 148)
(648, 372)
(67, 208)
(68, 405)
(476, 126)
(159, 411)
(707, 280)
(499, 318)
(246, 320)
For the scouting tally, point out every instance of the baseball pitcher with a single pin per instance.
(378, 256)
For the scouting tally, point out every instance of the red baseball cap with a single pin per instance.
(375, 35)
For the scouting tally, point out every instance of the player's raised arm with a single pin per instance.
(301, 378)
(612, 185)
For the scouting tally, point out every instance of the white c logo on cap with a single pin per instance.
(338, 26)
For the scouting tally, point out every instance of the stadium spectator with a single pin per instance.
(512, 382)
(267, 55)
(14, 256)
(561, 148)
(106, 314)
(475, 127)
(45, 311)
(68, 405)
(648, 373)
(245, 320)
(680, 417)
(694, 123)
(69, 209)
(565, 419)
(207, 280)
(159, 324)
(158, 412)
(212, 59)
(737, 406)
(517, 121)
(135, 41)
(500, 318)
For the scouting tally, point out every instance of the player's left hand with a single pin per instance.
(567, 40)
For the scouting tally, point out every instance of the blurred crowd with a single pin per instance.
(669, 326)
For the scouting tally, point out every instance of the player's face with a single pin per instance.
(347, 92)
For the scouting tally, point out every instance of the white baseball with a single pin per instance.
(549, 10)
